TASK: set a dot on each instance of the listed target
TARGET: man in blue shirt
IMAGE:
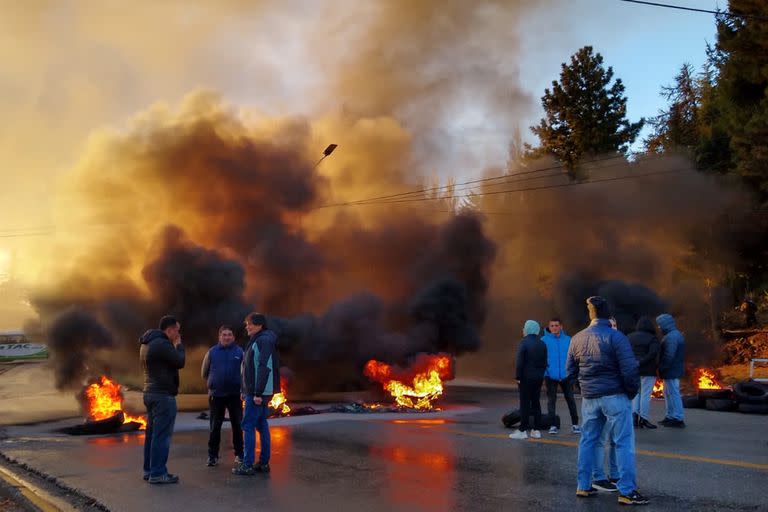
(221, 370)
(557, 343)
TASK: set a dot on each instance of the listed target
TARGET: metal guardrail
(752, 369)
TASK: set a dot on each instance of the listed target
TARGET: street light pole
(326, 153)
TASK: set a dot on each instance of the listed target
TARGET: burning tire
(750, 392)
(693, 402)
(100, 427)
(753, 408)
(716, 394)
(720, 404)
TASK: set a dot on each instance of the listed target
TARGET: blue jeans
(673, 400)
(613, 413)
(161, 416)
(255, 418)
(642, 403)
(613, 469)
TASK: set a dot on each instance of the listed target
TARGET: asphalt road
(457, 460)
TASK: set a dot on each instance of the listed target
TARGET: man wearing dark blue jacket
(221, 370)
(260, 381)
(557, 343)
(603, 361)
(162, 356)
(671, 368)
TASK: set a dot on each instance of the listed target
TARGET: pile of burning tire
(749, 397)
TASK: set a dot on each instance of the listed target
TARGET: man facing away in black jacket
(531, 365)
(162, 356)
(646, 347)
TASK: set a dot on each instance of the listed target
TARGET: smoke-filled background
(207, 202)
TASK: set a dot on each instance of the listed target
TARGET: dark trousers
(567, 387)
(219, 404)
(530, 393)
(161, 416)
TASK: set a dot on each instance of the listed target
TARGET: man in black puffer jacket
(162, 356)
(645, 346)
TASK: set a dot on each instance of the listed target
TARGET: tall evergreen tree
(741, 94)
(678, 126)
(585, 113)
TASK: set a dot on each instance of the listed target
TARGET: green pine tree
(585, 113)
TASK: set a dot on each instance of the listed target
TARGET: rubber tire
(693, 402)
(750, 392)
(720, 404)
(753, 408)
(716, 394)
(511, 419)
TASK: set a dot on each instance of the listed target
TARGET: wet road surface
(418, 462)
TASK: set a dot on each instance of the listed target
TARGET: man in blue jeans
(603, 361)
(260, 381)
(162, 356)
(671, 368)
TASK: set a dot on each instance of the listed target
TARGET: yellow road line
(39, 498)
(649, 453)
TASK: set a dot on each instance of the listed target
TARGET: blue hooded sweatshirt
(557, 354)
(671, 362)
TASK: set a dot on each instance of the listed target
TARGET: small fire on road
(104, 399)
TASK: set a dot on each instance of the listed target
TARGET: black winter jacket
(646, 347)
(531, 358)
(161, 362)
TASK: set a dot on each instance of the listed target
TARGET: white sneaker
(535, 434)
(518, 434)
(553, 430)
(575, 429)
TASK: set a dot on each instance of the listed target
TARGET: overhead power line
(421, 191)
(694, 9)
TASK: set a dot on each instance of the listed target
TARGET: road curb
(23, 478)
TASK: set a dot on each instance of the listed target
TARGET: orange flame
(279, 401)
(105, 399)
(706, 379)
(658, 389)
(426, 382)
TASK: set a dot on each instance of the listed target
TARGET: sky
(75, 68)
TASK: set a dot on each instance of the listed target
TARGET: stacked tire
(751, 397)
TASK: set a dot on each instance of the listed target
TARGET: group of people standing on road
(240, 382)
(616, 375)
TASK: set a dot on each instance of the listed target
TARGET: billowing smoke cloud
(655, 240)
(199, 214)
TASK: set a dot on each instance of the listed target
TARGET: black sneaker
(581, 493)
(633, 498)
(666, 421)
(243, 470)
(644, 423)
(261, 468)
(212, 461)
(146, 476)
(605, 486)
(675, 424)
(165, 479)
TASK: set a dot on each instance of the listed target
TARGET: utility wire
(469, 182)
(694, 9)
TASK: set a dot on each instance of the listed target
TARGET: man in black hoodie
(646, 347)
(162, 356)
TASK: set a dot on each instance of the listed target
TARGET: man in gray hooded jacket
(671, 368)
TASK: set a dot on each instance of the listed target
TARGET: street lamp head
(330, 149)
